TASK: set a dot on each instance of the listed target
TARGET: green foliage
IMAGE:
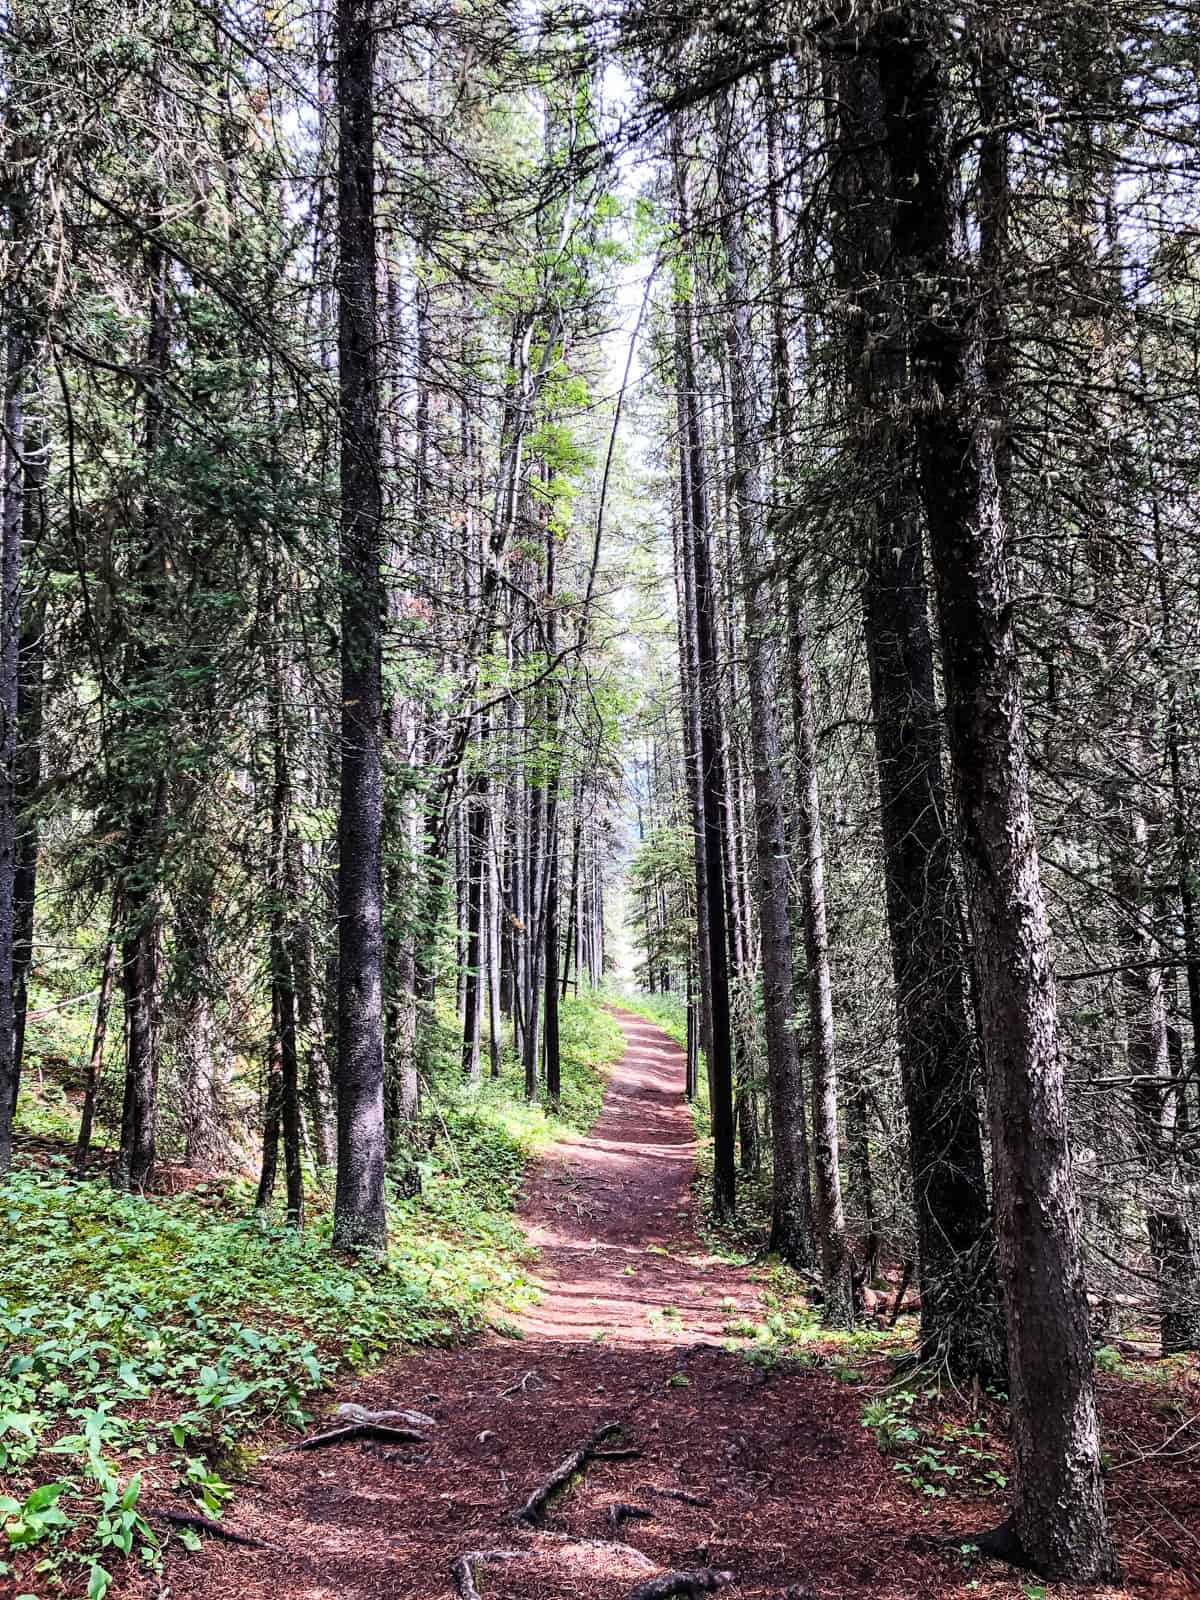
(158, 1334)
(933, 1456)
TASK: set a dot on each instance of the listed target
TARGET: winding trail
(631, 1328)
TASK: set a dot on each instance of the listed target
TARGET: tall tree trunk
(1059, 1523)
(961, 1322)
(148, 799)
(95, 1068)
(360, 1217)
(791, 1230)
(551, 1051)
(477, 819)
(711, 744)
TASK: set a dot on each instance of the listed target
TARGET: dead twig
(683, 1495)
(611, 1546)
(521, 1385)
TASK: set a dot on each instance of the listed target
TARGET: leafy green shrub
(152, 1335)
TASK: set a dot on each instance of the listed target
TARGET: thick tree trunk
(30, 700)
(1059, 1517)
(961, 1323)
(360, 1217)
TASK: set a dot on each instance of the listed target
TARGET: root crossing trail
(718, 1466)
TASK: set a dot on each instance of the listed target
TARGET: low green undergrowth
(936, 1454)
(145, 1342)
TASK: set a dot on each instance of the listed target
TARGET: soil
(797, 1502)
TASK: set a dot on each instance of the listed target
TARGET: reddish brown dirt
(800, 1502)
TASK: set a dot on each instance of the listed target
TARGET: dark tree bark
(1059, 1519)
(961, 1321)
(148, 794)
(477, 816)
(91, 1084)
(702, 625)
(551, 1052)
(791, 1229)
(360, 1217)
(30, 701)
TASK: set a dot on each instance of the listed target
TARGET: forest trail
(611, 1217)
(765, 1474)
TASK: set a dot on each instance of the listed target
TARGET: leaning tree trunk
(360, 1217)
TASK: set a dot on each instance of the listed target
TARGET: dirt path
(795, 1501)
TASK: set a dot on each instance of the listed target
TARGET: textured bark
(30, 698)
(108, 982)
(791, 1232)
(360, 1217)
(711, 763)
(961, 1323)
(11, 519)
(477, 814)
(1059, 1516)
(147, 800)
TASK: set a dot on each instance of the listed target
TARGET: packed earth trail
(763, 1478)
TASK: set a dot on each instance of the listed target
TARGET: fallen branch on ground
(351, 1412)
(629, 1454)
(463, 1568)
(688, 1584)
(535, 1508)
(357, 1430)
(621, 1511)
(199, 1524)
(683, 1495)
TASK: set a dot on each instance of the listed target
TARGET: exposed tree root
(689, 1584)
(535, 1508)
(357, 1430)
(631, 1453)
(621, 1511)
(684, 1496)
(199, 1524)
(1000, 1543)
(350, 1412)
(463, 1568)
(522, 1385)
(905, 1279)
(612, 1546)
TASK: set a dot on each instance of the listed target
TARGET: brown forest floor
(798, 1501)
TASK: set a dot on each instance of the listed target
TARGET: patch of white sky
(625, 365)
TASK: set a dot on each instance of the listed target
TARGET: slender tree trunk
(360, 1217)
(95, 1068)
(712, 785)
(477, 814)
(791, 1230)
